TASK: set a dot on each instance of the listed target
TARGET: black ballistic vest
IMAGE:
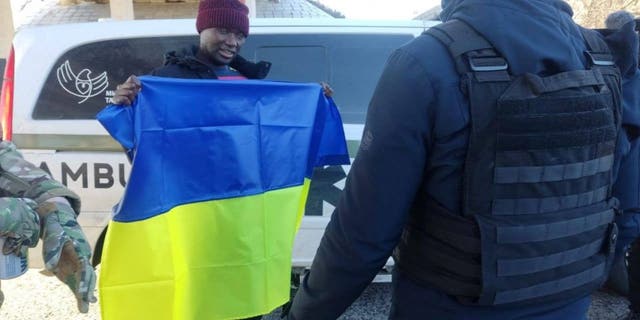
(537, 221)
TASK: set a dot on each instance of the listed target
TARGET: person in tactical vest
(629, 222)
(624, 277)
(488, 169)
(32, 206)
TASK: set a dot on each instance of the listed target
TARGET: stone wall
(592, 13)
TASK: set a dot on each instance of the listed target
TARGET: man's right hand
(127, 91)
(66, 251)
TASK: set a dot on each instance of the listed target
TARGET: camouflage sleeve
(22, 179)
(19, 224)
(66, 251)
(60, 225)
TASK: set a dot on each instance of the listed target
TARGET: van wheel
(97, 250)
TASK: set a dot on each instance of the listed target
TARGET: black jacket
(184, 64)
(414, 148)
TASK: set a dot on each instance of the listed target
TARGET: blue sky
(381, 9)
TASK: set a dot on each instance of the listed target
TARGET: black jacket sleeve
(379, 192)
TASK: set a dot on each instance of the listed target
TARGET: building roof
(288, 9)
(51, 12)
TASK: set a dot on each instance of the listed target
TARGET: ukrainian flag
(217, 190)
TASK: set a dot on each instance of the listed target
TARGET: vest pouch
(441, 249)
(544, 257)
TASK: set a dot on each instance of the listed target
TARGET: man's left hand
(326, 89)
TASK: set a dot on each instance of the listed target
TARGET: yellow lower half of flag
(219, 259)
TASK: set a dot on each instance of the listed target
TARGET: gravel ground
(35, 296)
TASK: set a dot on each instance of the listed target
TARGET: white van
(58, 77)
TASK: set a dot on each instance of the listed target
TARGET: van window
(302, 63)
(350, 63)
(83, 79)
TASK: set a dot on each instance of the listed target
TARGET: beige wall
(121, 9)
(6, 28)
(251, 4)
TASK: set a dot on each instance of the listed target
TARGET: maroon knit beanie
(230, 14)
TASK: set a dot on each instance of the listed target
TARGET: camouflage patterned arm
(19, 224)
(22, 179)
(66, 251)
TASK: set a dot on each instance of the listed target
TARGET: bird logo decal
(81, 85)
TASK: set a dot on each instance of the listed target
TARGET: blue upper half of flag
(198, 140)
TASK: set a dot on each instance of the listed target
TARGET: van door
(351, 63)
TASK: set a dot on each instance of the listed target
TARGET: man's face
(220, 45)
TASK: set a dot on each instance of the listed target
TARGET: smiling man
(223, 26)
(223, 31)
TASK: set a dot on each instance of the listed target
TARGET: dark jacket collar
(186, 58)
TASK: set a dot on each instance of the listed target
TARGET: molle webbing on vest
(558, 172)
(553, 230)
(537, 217)
(420, 253)
(559, 180)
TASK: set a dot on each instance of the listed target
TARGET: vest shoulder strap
(598, 53)
(471, 51)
